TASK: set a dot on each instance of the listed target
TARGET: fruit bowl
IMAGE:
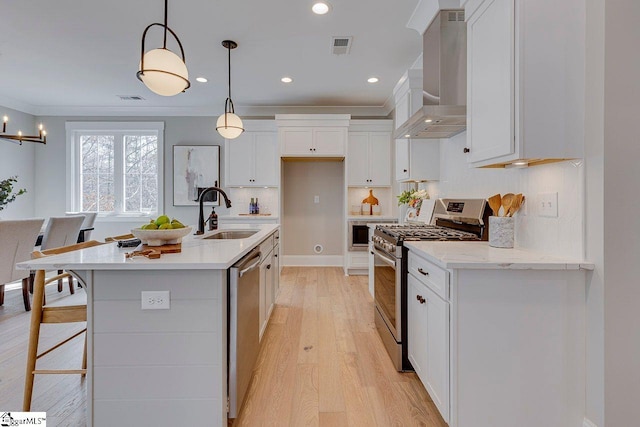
(161, 237)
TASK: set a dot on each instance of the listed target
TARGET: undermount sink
(232, 234)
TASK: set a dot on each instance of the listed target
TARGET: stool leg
(60, 282)
(71, 289)
(84, 354)
(25, 294)
(34, 335)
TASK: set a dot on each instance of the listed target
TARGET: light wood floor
(321, 362)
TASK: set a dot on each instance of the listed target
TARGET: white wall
(621, 265)
(561, 236)
(18, 160)
(305, 223)
(594, 210)
(51, 160)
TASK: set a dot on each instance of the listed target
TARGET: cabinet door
(241, 159)
(276, 272)
(380, 158)
(296, 141)
(269, 295)
(329, 141)
(263, 295)
(428, 341)
(402, 159)
(417, 315)
(266, 159)
(490, 81)
(358, 159)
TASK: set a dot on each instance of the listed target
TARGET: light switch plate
(548, 205)
(156, 300)
(316, 199)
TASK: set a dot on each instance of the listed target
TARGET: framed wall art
(195, 167)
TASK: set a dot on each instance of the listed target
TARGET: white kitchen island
(497, 336)
(157, 367)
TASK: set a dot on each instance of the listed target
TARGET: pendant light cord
(166, 2)
(229, 63)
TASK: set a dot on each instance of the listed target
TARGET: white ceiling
(64, 56)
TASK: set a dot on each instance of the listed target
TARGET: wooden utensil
(506, 202)
(154, 252)
(371, 200)
(494, 203)
(516, 203)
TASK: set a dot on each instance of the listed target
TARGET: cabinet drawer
(430, 274)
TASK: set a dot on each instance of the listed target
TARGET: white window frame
(73, 129)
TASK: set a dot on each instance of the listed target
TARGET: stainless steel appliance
(444, 83)
(452, 219)
(358, 239)
(244, 326)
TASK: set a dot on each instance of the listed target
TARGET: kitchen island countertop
(197, 253)
(479, 255)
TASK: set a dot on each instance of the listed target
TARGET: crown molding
(426, 10)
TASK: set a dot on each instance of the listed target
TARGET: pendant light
(229, 125)
(161, 70)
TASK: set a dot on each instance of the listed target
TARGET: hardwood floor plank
(330, 384)
(304, 409)
(333, 419)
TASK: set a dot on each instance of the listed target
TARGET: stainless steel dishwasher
(244, 326)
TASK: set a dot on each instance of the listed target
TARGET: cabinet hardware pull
(421, 271)
(421, 299)
(404, 170)
(268, 266)
(466, 150)
(371, 252)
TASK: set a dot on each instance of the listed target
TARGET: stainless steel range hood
(444, 111)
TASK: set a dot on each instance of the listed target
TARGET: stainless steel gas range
(452, 219)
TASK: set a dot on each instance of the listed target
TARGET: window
(116, 167)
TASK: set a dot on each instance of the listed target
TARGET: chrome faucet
(206, 191)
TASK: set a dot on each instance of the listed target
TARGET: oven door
(387, 290)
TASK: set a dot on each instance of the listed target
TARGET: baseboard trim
(313, 260)
(588, 423)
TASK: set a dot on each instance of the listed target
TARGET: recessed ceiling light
(407, 136)
(372, 80)
(428, 121)
(201, 79)
(320, 8)
(286, 80)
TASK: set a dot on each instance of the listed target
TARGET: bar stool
(69, 309)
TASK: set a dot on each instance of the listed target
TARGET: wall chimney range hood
(444, 110)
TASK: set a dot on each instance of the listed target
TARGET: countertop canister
(501, 231)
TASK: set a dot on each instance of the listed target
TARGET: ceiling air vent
(341, 45)
(130, 98)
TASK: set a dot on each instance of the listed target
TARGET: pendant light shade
(165, 73)
(161, 70)
(229, 125)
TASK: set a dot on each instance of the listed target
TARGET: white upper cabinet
(417, 160)
(305, 135)
(252, 159)
(369, 154)
(525, 94)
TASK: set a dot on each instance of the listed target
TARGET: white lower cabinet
(428, 341)
(267, 285)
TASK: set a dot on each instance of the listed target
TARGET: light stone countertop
(197, 254)
(479, 255)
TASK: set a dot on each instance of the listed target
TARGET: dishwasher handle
(250, 262)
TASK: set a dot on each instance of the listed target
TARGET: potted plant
(6, 191)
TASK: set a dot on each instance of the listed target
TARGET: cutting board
(155, 252)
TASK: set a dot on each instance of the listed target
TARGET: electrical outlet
(316, 199)
(156, 300)
(548, 204)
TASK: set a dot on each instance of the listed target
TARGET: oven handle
(387, 260)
